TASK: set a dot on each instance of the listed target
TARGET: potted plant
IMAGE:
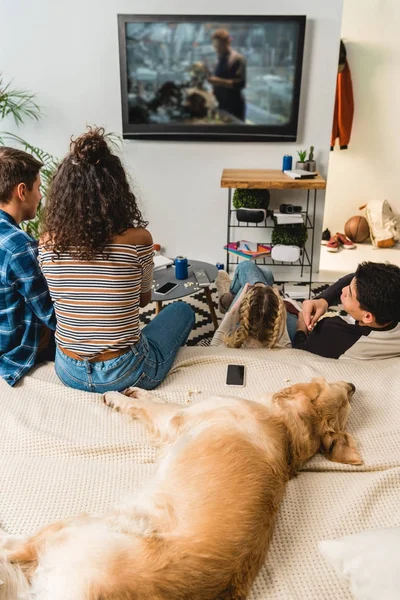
(301, 164)
(290, 235)
(311, 165)
(251, 205)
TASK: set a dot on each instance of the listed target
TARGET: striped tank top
(97, 302)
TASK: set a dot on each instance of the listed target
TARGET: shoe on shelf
(333, 244)
(223, 285)
(345, 242)
(326, 236)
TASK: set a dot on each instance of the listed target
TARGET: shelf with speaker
(285, 221)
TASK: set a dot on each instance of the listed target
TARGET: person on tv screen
(229, 76)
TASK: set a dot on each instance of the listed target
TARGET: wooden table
(273, 179)
(268, 179)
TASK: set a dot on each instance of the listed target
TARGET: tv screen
(211, 77)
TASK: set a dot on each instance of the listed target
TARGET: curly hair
(89, 200)
(261, 318)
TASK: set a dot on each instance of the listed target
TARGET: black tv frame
(214, 133)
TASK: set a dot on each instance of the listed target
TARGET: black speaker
(251, 215)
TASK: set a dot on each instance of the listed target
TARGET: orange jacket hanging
(344, 108)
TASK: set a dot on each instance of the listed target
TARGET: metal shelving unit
(268, 179)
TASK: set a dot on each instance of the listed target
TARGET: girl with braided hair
(257, 315)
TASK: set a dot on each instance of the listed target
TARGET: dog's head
(326, 407)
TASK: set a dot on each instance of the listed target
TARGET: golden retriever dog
(200, 529)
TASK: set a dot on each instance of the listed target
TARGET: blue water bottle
(287, 163)
(181, 267)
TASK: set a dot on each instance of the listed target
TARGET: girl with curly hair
(97, 257)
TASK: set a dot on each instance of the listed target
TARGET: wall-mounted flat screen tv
(217, 78)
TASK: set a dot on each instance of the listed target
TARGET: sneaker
(223, 285)
(333, 244)
(345, 242)
(326, 236)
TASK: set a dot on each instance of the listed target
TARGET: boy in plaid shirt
(26, 309)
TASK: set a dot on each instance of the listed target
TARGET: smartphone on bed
(235, 375)
(166, 288)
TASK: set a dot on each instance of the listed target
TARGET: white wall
(68, 53)
(368, 170)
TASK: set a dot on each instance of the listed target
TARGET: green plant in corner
(20, 105)
(302, 155)
(311, 153)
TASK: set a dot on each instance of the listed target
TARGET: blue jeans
(248, 272)
(145, 364)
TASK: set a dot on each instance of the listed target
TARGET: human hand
(213, 80)
(312, 310)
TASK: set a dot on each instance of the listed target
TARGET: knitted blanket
(63, 452)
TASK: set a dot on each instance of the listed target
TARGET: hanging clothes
(344, 103)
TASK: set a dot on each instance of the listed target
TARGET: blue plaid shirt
(25, 302)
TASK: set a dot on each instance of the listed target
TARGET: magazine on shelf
(288, 218)
(243, 249)
(301, 174)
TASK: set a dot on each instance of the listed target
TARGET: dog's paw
(144, 395)
(117, 401)
(134, 392)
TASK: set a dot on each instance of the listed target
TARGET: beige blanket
(63, 452)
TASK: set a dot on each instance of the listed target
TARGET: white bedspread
(63, 452)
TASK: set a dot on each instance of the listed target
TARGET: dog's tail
(13, 583)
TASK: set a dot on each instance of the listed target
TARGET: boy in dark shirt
(371, 296)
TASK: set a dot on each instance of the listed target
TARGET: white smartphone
(235, 375)
(166, 288)
(201, 277)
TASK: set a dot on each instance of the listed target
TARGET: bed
(63, 452)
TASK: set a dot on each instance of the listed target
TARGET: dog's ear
(340, 447)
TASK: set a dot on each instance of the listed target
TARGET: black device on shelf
(251, 215)
(289, 209)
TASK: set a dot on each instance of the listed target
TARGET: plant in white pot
(301, 164)
(311, 165)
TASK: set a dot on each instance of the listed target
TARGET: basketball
(357, 229)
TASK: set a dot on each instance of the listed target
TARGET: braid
(279, 323)
(238, 337)
(261, 317)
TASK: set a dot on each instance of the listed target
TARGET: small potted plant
(301, 163)
(290, 235)
(251, 205)
(311, 165)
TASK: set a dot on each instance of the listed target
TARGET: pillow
(370, 560)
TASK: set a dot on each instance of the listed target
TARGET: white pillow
(370, 560)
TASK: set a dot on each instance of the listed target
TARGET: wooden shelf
(272, 179)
